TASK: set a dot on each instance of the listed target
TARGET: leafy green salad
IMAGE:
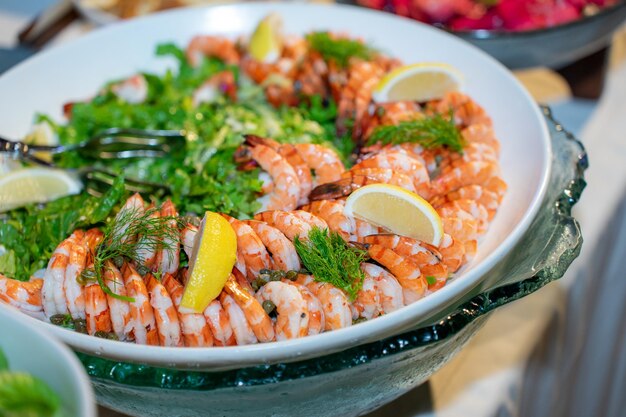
(203, 176)
(24, 395)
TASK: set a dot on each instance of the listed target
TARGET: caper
(304, 272)
(58, 319)
(118, 261)
(143, 270)
(268, 306)
(80, 325)
(264, 271)
(106, 335)
(359, 320)
(292, 275)
(255, 285)
(88, 275)
(264, 277)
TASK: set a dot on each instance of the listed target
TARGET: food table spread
(491, 339)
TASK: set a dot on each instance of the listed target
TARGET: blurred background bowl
(552, 47)
(32, 350)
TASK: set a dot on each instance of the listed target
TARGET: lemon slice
(35, 185)
(213, 257)
(418, 82)
(397, 210)
(266, 41)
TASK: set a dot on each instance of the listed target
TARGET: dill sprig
(131, 231)
(429, 131)
(329, 259)
(339, 50)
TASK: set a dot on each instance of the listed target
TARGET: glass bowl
(553, 47)
(363, 378)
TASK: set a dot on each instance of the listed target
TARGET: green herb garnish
(22, 394)
(155, 233)
(431, 280)
(329, 258)
(339, 50)
(430, 132)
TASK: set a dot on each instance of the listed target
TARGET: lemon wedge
(35, 185)
(397, 210)
(418, 82)
(213, 257)
(266, 41)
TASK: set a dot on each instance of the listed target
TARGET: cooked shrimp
(364, 229)
(383, 175)
(482, 134)
(287, 222)
(75, 266)
(356, 96)
(284, 255)
(168, 324)
(406, 271)
(286, 186)
(389, 290)
(323, 161)
(474, 172)
(426, 256)
(289, 152)
(202, 46)
(476, 210)
(142, 321)
(119, 310)
(258, 319)
(188, 238)
(472, 152)
(194, 327)
(292, 313)
(93, 237)
(97, 314)
(311, 219)
(475, 192)
(220, 84)
(147, 251)
(25, 296)
(367, 303)
(452, 252)
(340, 188)
(335, 304)
(401, 162)
(312, 75)
(134, 207)
(218, 321)
(251, 247)
(317, 321)
(133, 90)
(466, 111)
(169, 257)
(332, 213)
(241, 328)
(54, 298)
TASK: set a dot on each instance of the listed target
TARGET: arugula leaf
(24, 395)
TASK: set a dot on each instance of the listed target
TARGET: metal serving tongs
(114, 143)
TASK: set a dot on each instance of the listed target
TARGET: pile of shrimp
(304, 187)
